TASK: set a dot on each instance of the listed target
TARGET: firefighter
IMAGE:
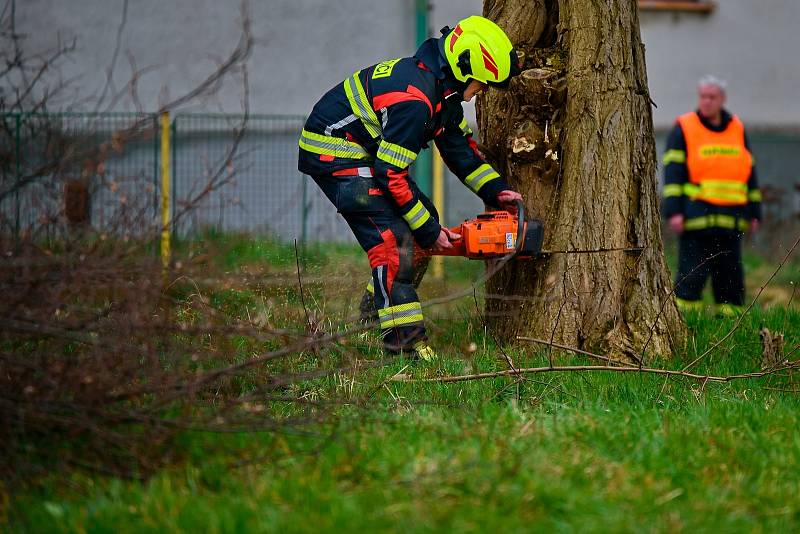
(363, 134)
(711, 198)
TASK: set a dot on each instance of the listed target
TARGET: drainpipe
(422, 167)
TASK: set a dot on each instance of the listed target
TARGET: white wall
(753, 44)
(306, 46)
(448, 13)
(303, 47)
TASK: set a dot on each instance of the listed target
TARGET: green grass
(230, 251)
(593, 452)
(599, 466)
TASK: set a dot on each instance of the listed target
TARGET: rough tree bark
(574, 134)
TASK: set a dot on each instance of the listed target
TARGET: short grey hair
(710, 79)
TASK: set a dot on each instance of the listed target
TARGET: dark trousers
(716, 253)
(387, 239)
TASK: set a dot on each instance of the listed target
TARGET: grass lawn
(589, 451)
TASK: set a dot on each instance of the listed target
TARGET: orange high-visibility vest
(719, 163)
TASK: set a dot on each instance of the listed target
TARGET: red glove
(506, 199)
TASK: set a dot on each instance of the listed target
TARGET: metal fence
(266, 194)
(263, 192)
(110, 157)
(227, 174)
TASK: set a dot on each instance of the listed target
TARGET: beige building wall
(303, 47)
(753, 44)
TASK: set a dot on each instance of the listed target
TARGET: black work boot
(367, 313)
(420, 350)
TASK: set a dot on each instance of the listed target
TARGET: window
(696, 6)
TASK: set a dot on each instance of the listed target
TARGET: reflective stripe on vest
(673, 190)
(730, 310)
(465, 129)
(674, 156)
(360, 105)
(689, 305)
(719, 158)
(716, 191)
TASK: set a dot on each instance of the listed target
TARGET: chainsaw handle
(520, 225)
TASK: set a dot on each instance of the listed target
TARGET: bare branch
(603, 368)
(564, 347)
(115, 54)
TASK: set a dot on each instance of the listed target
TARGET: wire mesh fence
(229, 173)
(263, 191)
(64, 171)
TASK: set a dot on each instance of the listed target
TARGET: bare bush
(104, 356)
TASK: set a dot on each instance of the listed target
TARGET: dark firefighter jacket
(377, 121)
(681, 191)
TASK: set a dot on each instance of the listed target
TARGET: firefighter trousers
(716, 253)
(387, 239)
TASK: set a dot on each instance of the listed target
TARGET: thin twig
(115, 54)
(667, 299)
(594, 368)
(507, 358)
(782, 390)
(564, 347)
(794, 349)
(558, 318)
(300, 283)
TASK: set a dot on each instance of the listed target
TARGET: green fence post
(156, 173)
(422, 167)
(18, 176)
(174, 177)
(304, 228)
(156, 159)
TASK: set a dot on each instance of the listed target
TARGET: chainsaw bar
(630, 250)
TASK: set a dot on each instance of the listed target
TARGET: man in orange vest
(711, 198)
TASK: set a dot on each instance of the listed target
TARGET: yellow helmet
(479, 49)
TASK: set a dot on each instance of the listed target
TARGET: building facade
(303, 47)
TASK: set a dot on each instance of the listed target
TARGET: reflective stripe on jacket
(381, 117)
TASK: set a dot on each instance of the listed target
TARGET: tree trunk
(574, 135)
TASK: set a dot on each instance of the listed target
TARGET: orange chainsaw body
(492, 235)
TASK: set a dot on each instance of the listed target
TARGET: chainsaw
(498, 234)
(495, 234)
